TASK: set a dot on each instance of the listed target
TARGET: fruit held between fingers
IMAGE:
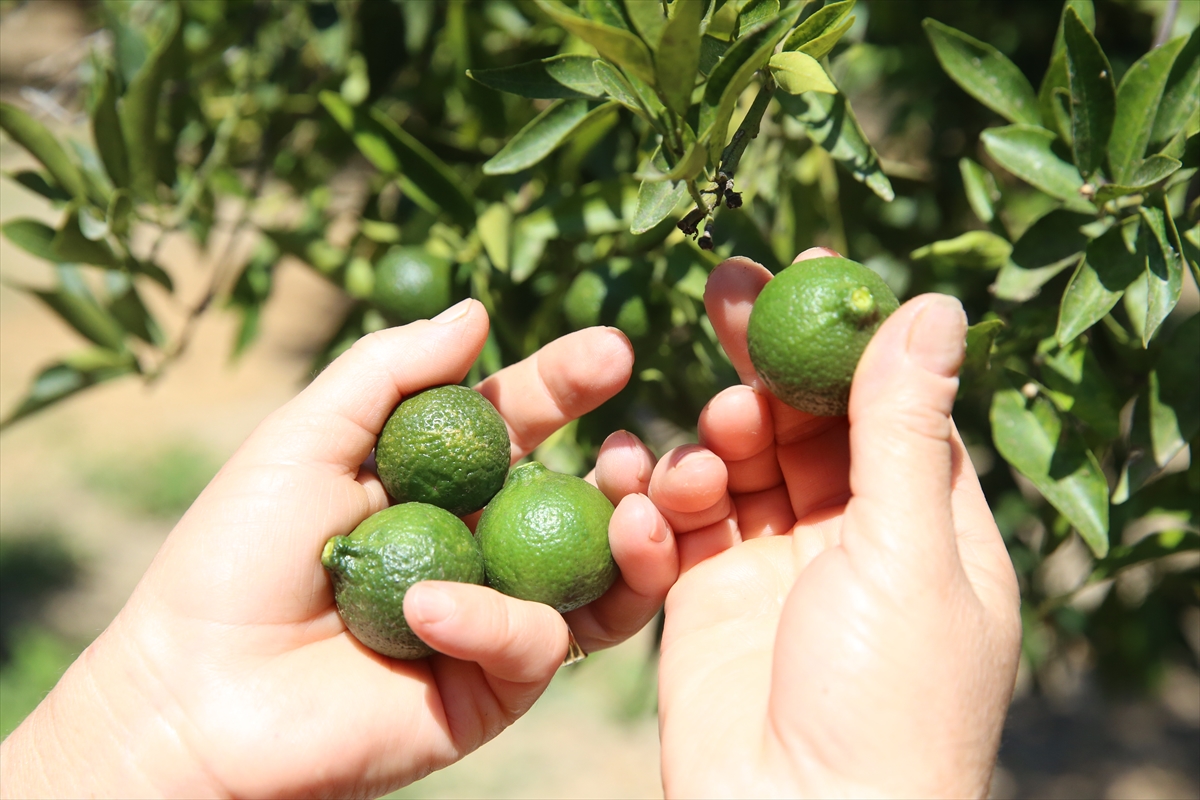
(545, 538)
(447, 446)
(373, 567)
(809, 326)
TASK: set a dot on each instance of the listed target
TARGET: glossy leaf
(543, 135)
(1080, 386)
(1138, 97)
(1051, 244)
(65, 378)
(1037, 442)
(649, 20)
(1024, 150)
(678, 57)
(618, 87)
(613, 43)
(140, 109)
(830, 122)
(1174, 403)
(755, 12)
(106, 130)
(972, 250)
(981, 338)
(980, 186)
(563, 77)
(70, 244)
(655, 202)
(1093, 94)
(1056, 75)
(824, 23)
(984, 73)
(733, 74)
(392, 149)
(1098, 283)
(32, 236)
(1164, 273)
(1181, 96)
(1141, 176)
(797, 73)
(41, 144)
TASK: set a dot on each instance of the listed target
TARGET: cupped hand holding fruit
(230, 672)
(846, 615)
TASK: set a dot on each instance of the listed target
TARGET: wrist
(98, 733)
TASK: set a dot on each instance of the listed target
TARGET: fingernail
(431, 605)
(456, 311)
(658, 525)
(938, 337)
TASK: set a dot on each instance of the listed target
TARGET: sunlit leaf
(980, 186)
(797, 72)
(827, 22)
(830, 122)
(1024, 150)
(141, 105)
(1164, 273)
(973, 250)
(984, 73)
(1098, 283)
(558, 77)
(678, 56)
(63, 379)
(655, 202)
(1181, 95)
(32, 236)
(1033, 438)
(1051, 244)
(543, 135)
(41, 144)
(1138, 97)
(981, 337)
(1140, 176)
(649, 20)
(1093, 94)
(495, 231)
(106, 130)
(1174, 401)
(613, 43)
(70, 244)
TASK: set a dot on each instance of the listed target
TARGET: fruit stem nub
(862, 305)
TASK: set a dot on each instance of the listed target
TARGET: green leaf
(1190, 242)
(41, 144)
(126, 306)
(972, 250)
(711, 50)
(1138, 98)
(63, 379)
(567, 77)
(1085, 10)
(495, 232)
(76, 305)
(39, 183)
(755, 12)
(980, 186)
(678, 56)
(70, 244)
(106, 130)
(1163, 272)
(542, 135)
(831, 123)
(733, 74)
(1049, 246)
(141, 105)
(981, 337)
(1174, 402)
(655, 202)
(649, 21)
(393, 150)
(1080, 386)
(1056, 76)
(1181, 95)
(32, 236)
(1024, 150)
(613, 43)
(1151, 548)
(597, 208)
(1053, 456)
(618, 87)
(815, 33)
(797, 73)
(984, 73)
(1141, 176)
(1093, 94)
(1107, 268)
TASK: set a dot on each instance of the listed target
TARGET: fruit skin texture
(809, 326)
(545, 538)
(373, 567)
(411, 284)
(447, 446)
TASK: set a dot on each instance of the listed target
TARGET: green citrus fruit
(545, 538)
(411, 284)
(447, 446)
(810, 325)
(373, 567)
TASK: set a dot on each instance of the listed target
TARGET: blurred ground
(89, 489)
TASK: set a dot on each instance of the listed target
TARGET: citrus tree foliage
(589, 162)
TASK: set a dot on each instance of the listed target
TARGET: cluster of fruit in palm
(442, 454)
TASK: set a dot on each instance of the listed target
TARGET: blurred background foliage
(538, 156)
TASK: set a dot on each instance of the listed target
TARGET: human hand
(846, 621)
(229, 671)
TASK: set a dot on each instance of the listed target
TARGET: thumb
(900, 430)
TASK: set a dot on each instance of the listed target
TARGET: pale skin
(842, 618)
